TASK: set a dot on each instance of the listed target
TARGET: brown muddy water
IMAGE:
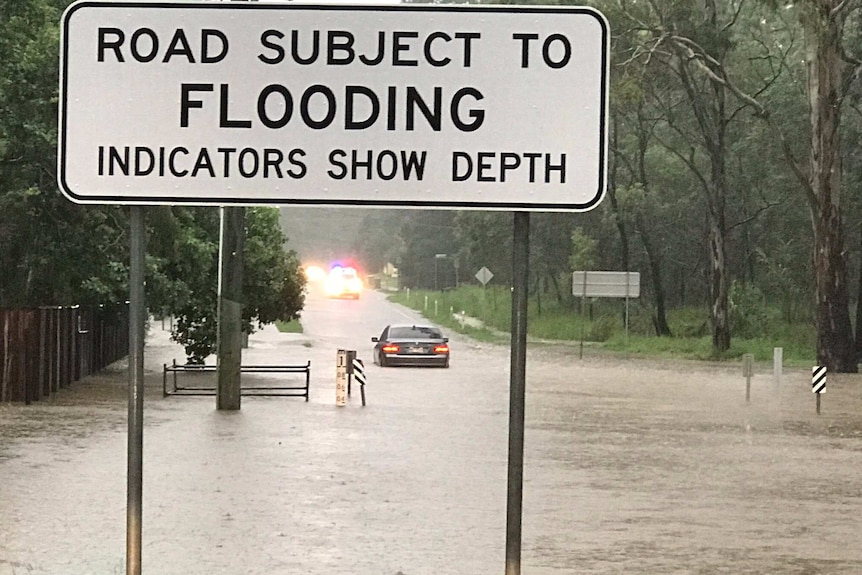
(631, 467)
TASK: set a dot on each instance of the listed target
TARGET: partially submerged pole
(517, 391)
(135, 457)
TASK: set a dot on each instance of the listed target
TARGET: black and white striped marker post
(359, 375)
(818, 383)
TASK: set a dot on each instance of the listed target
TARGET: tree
(426, 233)
(705, 55)
(678, 27)
(53, 251)
(378, 242)
(485, 240)
(829, 78)
(184, 274)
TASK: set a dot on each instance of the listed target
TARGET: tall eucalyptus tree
(830, 72)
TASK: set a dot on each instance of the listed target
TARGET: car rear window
(418, 332)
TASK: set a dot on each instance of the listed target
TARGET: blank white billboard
(606, 284)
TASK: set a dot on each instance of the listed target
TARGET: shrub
(749, 314)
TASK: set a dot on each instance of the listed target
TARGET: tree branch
(699, 57)
(841, 5)
(736, 13)
(765, 206)
(797, 170)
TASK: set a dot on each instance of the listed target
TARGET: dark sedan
(411, 344)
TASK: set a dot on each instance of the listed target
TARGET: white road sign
(606, 284)
(484, 275)
(285, 103)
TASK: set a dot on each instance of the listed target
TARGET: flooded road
(631, 467)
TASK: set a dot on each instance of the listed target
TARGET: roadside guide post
(777, 361)
(748, 372)
(359, 375)
(341, 378)
(818, 383)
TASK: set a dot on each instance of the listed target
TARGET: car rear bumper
(344, 295)
(417, 360)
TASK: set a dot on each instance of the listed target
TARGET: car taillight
(391, 348)
(442, 348)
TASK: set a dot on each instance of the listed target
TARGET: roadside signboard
(467, 107)
(484, 275)
(606, 284)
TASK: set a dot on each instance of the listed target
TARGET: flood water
(631, 467)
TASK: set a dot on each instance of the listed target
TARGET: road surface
(631, 467)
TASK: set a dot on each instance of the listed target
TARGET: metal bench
(294, 389)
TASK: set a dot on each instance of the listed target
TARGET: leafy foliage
(184, 272)
(583, 255)
(53, 252)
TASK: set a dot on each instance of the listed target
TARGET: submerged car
(411, 344)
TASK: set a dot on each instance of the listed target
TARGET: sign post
(484, 275)
(135, 439)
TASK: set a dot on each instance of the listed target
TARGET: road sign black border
(176, 200)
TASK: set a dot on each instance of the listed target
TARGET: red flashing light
(391, 348)
(442, 348)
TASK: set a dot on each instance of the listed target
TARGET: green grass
(602, 325)
(289, 326)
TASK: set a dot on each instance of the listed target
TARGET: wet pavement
(631, 466)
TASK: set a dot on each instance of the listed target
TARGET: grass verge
(602, 324)
(289, 326)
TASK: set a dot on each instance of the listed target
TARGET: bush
(749, 314)
(602, 328)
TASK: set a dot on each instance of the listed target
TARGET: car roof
(412, 325)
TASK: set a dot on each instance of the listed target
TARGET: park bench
(293, 388)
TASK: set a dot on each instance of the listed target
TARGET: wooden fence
(45, 349)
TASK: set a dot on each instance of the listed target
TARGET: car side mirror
(375, 339)
(445, 340)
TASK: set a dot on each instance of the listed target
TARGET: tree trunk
(612, 197)
(659, 320)
(859, 312)
(564, 299)
(719, 284)
(835, 345)
(662, 328)
(709, 110)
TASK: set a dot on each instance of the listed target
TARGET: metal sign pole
(628, 283)
(583, 317)
(517, 390)
(137, 306)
